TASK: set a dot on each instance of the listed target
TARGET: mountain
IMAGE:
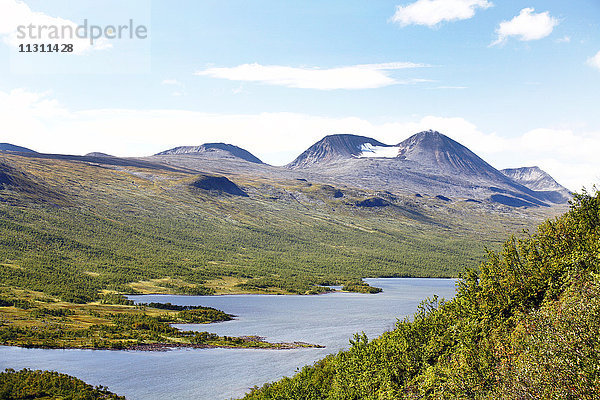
(12, 147)
(214, 150)
(439, 153)
(339, 147)
(425, 163)
(539, 180)
(97, 154)
(534, 178)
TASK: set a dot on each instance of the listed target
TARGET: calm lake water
(329, 320)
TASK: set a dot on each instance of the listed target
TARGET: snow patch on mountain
(370, 151)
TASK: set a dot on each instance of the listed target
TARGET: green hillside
(522, 326)
(76, 233)
(131, 229)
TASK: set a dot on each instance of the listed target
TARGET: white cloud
(594, 61)
(37, 121)
(564, 39)
(15, 13)
(526, 26)
(433, 12)
(363, 76)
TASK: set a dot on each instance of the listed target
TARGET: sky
(517, 82)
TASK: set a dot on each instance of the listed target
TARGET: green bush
(522, 326)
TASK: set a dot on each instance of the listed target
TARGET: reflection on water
(328, 320)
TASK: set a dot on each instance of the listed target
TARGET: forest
(523, 325)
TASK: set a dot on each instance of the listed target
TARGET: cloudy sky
(518, 82)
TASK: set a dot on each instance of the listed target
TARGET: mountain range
(214, 150)
(199, 219)
(427, 164)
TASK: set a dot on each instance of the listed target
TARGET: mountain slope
(12, 147)
(333, 148)
(439, 153)
(213, 150)
(537, 179)
(97, 154)
(533, 177)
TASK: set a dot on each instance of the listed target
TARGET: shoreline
(257, 293)
(175, 346)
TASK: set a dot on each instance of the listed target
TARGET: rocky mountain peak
(534, 178)
(439, 153)
(334, 148)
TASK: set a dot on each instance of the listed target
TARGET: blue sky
(516, 81)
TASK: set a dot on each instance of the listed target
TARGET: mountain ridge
(213, 149)
(427, 161)
(333, 148)
(15, 148)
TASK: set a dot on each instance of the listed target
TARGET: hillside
(14, 148)
(523, 325)
(28, 384)
(132, 225)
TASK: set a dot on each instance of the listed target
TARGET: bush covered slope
(27, 384)
(522, 326)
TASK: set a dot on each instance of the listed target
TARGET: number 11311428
(46, 48)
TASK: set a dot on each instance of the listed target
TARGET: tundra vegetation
(522, 325)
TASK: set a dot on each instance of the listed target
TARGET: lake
(328, 320)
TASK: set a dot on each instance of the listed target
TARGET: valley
(78, 233)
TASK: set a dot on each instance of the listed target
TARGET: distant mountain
(97, 154)
(537, 179)
(445, 156)
(426, 163)
(534, 178)
(339, 147)
(12, 147)
(214, 150)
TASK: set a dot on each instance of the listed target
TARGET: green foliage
(115, 298)
(18, 303)
(118, 228)
(54, 312)
(360, 287)
(524, 325)
(28, 385)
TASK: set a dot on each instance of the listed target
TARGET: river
(328, 320)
